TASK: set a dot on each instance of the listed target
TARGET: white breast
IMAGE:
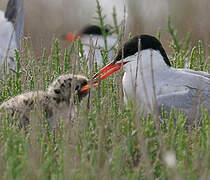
(149, 82)
(7, 36)
(98, 42)
(151, 78)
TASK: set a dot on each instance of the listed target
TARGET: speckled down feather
(54, 102)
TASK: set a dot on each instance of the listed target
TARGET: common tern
(149, 78)
(11, 30)
(92, 35)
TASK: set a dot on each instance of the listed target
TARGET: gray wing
(201, 73)
(189, 101)
(15, 14)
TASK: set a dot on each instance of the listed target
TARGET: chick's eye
(57, 91)
(62, 85)
(83, 83)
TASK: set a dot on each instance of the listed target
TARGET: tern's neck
(152, 60)
(98, 41)
(151, 68)
(146, 62)
(92, 45)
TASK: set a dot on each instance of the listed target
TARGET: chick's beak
(103, 74)
(87, 87)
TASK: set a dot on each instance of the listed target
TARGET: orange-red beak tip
(108, 70)
(87, 87)
(103, 74)
(71, 37)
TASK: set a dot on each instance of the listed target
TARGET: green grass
(108, 140)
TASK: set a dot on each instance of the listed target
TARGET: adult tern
(149, 78)
(11, 29)
(92, 35)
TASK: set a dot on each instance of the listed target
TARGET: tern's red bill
(103, 74)
(108, 70)
(71, 37)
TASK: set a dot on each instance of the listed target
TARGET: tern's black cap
(146, 42)
(94, 30)
(11, 11)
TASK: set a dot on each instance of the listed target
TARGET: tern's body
(93, 43)
(7, 46)
(150, 80)
(174, 88)
(97, 42)
(11, 28)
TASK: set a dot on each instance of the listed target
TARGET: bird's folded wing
(201, 73)
(185, 100)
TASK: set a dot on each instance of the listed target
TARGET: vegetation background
(45, 19)
(108, 140)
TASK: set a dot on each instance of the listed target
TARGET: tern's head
(93, 30)
(139, 48)
(94, 33)
(87, 32)
(139, 44)
(93, 40)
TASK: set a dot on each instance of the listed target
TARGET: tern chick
(55, 102)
